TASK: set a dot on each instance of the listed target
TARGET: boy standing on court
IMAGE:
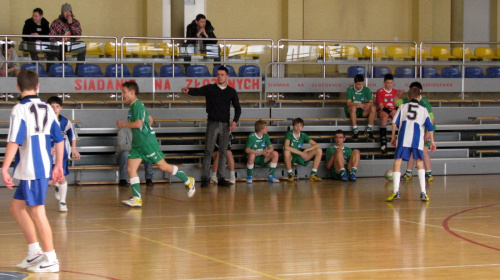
(144, 145)
(260, 151)
(33, 125)
(411, 120)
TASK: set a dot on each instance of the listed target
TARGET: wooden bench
(483, 118)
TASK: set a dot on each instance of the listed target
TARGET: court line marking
(195, 254)
(452, 232)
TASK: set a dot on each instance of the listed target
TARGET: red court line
(447, 228)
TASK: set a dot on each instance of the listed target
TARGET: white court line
(456, 230)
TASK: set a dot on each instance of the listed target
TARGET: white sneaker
(232, 181)
(45, 266)
(57, 193)
(133, 202)
(272, 179)
(63, 207)
(190, 187)
(214, 180)
(31, 260)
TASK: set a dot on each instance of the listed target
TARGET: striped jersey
(69, 135)
(412, 119)
(33, 125)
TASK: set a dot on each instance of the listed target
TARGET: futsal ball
(388, 174)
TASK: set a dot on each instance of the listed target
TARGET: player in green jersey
(293, 153)
(144, 145)
(260, 151)
(341, 160)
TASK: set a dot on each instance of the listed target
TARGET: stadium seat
(474, 72)
(230, 69)
(430, 72)
(451, 72)
(111, 70)
(109, 49)
(94, 48)
(249, 71)
(141, 49)
(460, 53)
(485, 53)
(56, 70)
(493, 72)
(441, 52)
(396, 52)
(32, 66)
(350, 52)
(377, 52)
(404, 72)
(166, 71)
(144, 71)
(165, 49)
(89, 70)
(355, 70)
(381, 71)
(412, 53)
(198, 71)
(254, 51)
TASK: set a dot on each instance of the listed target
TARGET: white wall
(477, 20)
(190, 12)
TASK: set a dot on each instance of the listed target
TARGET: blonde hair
(260, 125)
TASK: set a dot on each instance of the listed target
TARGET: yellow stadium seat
(396, 52)
(411, 52)
(254, 51)
(459, 53)
(498, 51)
(141, 49)
(224, 50)
(94, 49)
(440, 52)
(485, 53)
(166, 49)
(350, 52)
(377, 52)
(109, 49)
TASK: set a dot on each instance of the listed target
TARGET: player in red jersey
(386, 107)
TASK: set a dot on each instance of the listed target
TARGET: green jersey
(345, 150)
(144, 135)
(296, 143)
(363, 96)
(256, 143)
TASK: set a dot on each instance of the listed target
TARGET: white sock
(51, 256)
(314, 170)
(232, 174)
(396, 178)
(273, 164)
(289, 171)
(421, 179)
(213, 174)
(249, 166)
(175, 170)
(63, 190)
(34, 248)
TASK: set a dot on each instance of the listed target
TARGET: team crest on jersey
(385, 100)
(263, 144)
(362, 98)
(299, 145)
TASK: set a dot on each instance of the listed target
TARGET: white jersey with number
(33, 124)
(412, 119)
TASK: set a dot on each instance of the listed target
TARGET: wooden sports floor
(301, 230)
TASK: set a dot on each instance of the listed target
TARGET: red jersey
(388, 99)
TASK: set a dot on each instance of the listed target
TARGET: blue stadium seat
(144, 71)
(404, 72)
(493, 72)
(89, 70)
(198, 71)
(430, 72)
(111, 70)
(381, 71)
(56, 70)
(230, 69)
(474, 72)
(451, 72)
(249, 71)
(32, 66)
(166, 71)
(355, 70)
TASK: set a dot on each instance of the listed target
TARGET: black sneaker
(123, 183)
(355, 135)
(221, 182)
(205, 183)
(370, 136)
(149, 183)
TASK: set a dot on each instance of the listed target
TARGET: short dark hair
(414, 93)
(55, 99)
(359, 78)
(416, 85)
(260, 125)
(27, 80)
(132, 85)
(200, 16)
(38, 10)
(340, 131)
(223, 68)
(388, 77)
(298, 121)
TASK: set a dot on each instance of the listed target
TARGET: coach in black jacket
(200, 28)
(36, 25)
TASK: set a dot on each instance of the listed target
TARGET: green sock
(369, 128)
(290, 173)
(342, 171)
(271, 171)
(428, 173)
(181, 175)
(250, 172)
(354, 170)
(313, 173)
(136, 190)
(409, 171)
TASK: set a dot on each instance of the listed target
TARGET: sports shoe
(352, 177)
(232, 181)
(190, 187)
(369, 135)
(290, 178)
(149, 183)
(424, 197)
(393, 196)
(45, 266)
(355, 135)
(406, 177)
(222, 183)
(383, 149)
(123, 183)
(31, 260)
(249, 179)
(344, 177)
(429, 178)
(63, 207)
(133, 202)
(315, 178)
(57, 193)
(272, 179)
(213, 180)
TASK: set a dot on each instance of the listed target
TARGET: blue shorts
(32, 191)
(65, 167)
(405, 153)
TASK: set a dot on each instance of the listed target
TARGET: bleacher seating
(404, 72)
(440, 52)
(381, 71)
(474, 72)
(249, 71)
(56, 70)
(355, 70)
(230, 69)
(166, 71)
(413, 53)
(111, 70)
(94, 48)
(493, 72)
(144, 71)
(198, 71)
(377, 52)
(33, 66)
(110, 48)
(396, 52)
(348, 51)
(485, 53)
(90, 70)
(451, 72)
(430, 72)
(165, 49)
(460, 53)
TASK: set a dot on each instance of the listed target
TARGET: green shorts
(151, 153)
(299, 160)
(259, 161)
(359, 112)
(335, 174)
